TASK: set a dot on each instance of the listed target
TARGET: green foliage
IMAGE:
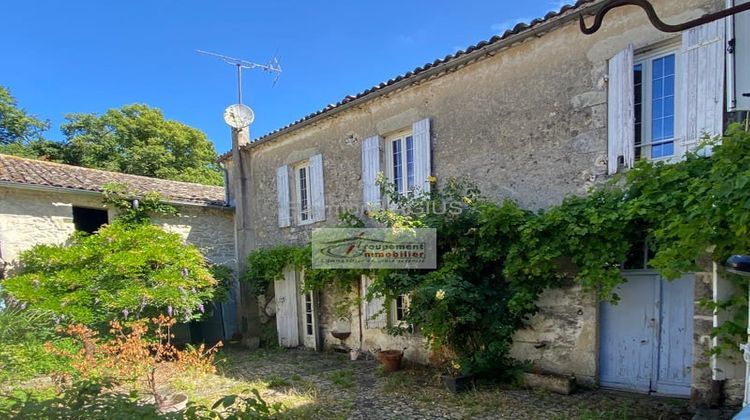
(137, 139)
(122, 198)
(17, 127)
(31, 358)
(122, 270)
(18, 324)
(129, 269)
(267, 264)
(23, 349)
(101, 400)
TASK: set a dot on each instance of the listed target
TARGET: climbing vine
(494, 258)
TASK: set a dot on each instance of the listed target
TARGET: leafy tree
(129, 269)
(137, 139)
(16, 125)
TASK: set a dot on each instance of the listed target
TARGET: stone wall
(31, 217)
(528, 123)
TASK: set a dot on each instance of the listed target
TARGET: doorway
(646, 340)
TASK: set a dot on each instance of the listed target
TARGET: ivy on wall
(494, 258)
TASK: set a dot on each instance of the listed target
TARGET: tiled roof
(39, 173)
(515, 32)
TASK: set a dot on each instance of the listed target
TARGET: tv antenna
(273, 67)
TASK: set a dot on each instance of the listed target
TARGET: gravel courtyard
(329, 386)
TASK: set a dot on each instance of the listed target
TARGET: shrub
(23, 334)
(123, 270)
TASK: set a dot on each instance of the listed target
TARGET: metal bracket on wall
(654, 18)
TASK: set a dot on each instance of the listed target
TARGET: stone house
(44, 203)
(534, 115)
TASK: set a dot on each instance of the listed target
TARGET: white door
(646, 340)
(286, 308)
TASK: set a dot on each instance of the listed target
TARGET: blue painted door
(646, 339)
(629, 335)
(676, 337)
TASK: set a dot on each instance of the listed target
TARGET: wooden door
(646, 340)
(676, 337)
(629, 335)
(286, 308)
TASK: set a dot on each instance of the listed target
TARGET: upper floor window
(406, 160)
(400, 161)
(300, 192)
(663, 101)
(302, 173)
(655, 112)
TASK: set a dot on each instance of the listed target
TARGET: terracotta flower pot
(390, 359)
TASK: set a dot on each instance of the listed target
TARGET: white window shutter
(703, 54)
(422, 154)
(282, 194)
(621, 110)
(370, 170)
(373, 310)
(317, 190)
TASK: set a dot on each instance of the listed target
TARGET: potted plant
(455, 380)
(390, 359)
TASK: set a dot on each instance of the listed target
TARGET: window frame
(402, 137)
(645, 58)
(308, 321)
(303, 216)
(397, 321)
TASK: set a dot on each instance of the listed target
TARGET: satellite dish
(239, 116)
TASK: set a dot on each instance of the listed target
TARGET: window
(89, 220)
(400, 161)
(655, 80)
(309, 326)
(640, 253)
(402, 304)
(304, 214)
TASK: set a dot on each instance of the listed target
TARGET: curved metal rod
(654, 18)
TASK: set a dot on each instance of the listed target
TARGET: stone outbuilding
(536, 114)
(44, 203)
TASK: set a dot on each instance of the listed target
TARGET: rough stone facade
(528, 123)
(31, 217)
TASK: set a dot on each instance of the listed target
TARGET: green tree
(129, 269)
(16, 125)
(137, 139)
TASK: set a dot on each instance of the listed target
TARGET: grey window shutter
(621, 110)
(282, 194)
(373, 310)
(422, 154)
(317, 188)
(370, 170)
(703, 54)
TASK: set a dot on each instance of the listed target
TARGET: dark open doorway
(89, 220)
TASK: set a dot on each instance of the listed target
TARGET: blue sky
(88, 56)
